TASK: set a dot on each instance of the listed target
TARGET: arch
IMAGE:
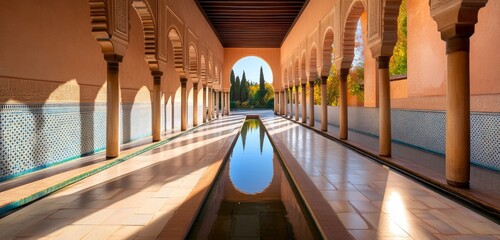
(296, 77)
(303, 73)
(390, 26)
(148, 26)
(285, 80)
(210, 74)
(203, 69)
(193, 63)
(351, 22)
(327, 52)
(313, 63)
(176, 41)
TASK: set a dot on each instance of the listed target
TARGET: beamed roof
(252, 23)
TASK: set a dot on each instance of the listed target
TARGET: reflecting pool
(252, 197)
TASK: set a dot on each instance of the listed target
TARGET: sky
(251, 66)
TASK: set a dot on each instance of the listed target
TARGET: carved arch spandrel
(382, 26)
(313, 63)
(178, 50)
(303, 64)
(327, 51)
(109, 22)
(203, 69)
(150, 33)
(193, 63)
(349, 33)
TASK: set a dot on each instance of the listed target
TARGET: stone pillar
(304, 103)
(324, 108)
(458, 112)
(217, 96)
(456, 20)
(284, 106)
(343, 121)
(296, 103)
(184, 110)
(311, 103)
(210, 105)
(156, 111)
(228, 103)
(384, 106)
(113, 108)
(204, 110)
(195, 104)
(290, 100)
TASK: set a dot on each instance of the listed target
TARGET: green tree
(398, 62)
(262, 88)
(232, 79)
(237, 89)
(244, 88)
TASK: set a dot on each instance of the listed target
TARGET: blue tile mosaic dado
(34, 136)
(427, 130)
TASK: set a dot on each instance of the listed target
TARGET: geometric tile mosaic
(34, 136)
(427, 130)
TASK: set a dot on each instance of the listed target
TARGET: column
(284, 102)
(311, 103)
(228, 103)
(113, 109)
(217, 96)
(195, 104)
(183, 104)
(343, 121)
(296, 103)
(204, 110)
(304, 103)
(458, 112)
(156, 111)
(324, 108)
(290, 100)
(210, 105)
(384, 106)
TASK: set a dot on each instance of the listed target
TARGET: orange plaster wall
(47, 46)
(370, 66)
(485, 52)
(426, 52)
(270, 55)
(53, 57)
(399, 89)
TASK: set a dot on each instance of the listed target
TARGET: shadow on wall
(55, 110)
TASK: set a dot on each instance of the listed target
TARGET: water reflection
(251, 163)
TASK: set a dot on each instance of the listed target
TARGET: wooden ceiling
(252, 23)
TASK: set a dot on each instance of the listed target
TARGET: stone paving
(372, 201)
(138, 198)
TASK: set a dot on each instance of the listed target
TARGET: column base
(458, 184)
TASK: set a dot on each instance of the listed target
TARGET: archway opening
(251, 84)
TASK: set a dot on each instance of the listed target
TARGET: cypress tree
(237, 89)
(231, 89)
(262, 87)
(244, 88)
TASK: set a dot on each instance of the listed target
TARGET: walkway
(371, 200)
(484, 191)
(132, 200)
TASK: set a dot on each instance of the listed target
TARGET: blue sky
(251, 66)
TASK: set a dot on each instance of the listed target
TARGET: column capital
(183, 82)
(343, 73)
(383, 62)
(113, 58)
(323, 79)
(456, 18)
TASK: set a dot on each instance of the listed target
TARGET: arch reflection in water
(251, 164)
(252, 196)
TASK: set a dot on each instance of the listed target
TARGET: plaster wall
(427, 56)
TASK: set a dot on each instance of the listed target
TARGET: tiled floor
(371, 200)
(132, 200)
(137, 198)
